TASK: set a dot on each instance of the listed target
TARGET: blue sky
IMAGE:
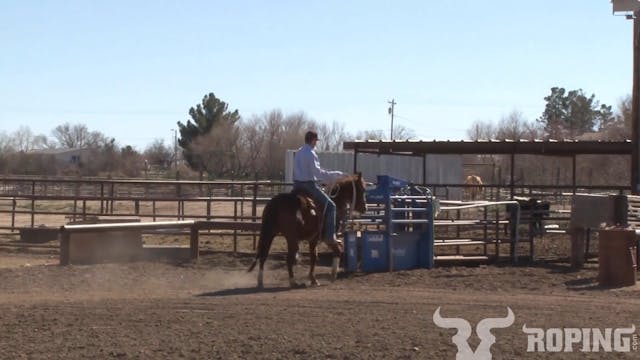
(131, 69)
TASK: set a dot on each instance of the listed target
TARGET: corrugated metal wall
(440, 169)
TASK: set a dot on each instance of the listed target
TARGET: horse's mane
(347, 180)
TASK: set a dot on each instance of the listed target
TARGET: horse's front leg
(313, 255)
(292, 245)
(337, 250)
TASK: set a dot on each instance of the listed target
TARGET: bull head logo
(483, 329)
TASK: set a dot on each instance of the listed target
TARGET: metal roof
(535, 147)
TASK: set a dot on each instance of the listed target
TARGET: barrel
(617, 257)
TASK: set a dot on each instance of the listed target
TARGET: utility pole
(391, 111)
(635, 111)
(175, 149)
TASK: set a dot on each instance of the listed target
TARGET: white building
(65, 156)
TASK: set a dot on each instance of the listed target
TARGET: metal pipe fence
(24, 202)
(54, 202)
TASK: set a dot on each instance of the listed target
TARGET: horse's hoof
(334, 269)
(314, 283)
(334, 276)
(295, 285)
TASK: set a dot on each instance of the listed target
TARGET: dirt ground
(211, 310)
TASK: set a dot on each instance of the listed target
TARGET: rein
(335, 189)
(353, 198)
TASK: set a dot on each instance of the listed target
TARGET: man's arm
(322, 174)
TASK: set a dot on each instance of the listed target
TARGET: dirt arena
(211, 310)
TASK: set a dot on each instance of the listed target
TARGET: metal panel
(440, 169)
(351, 252)
(405, 251)
(375, 252)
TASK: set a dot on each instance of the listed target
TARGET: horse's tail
(267, 233)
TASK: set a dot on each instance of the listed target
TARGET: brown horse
(295, 216)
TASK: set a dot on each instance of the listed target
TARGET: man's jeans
(329, 228)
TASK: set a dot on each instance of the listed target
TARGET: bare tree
(158, 154)
(619, 126)
(511, 127)
(295, 126)
(370, 135)
(7, 144)
(272, 131)
(214, 151)
(25, 140)
(6, 151)
(252, 139)
(481, 130)
(130, 163)
(41, 141)
(282, 133)
(332, 136)
(71, 136)
(400, 133)
(624, 112)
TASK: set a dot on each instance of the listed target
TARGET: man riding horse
(295, 216)
(306, 172)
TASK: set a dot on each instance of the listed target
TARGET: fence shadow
(585, 284)
(558, 265)
(245, 291)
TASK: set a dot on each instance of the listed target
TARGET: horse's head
(360, 203)
(350, 190)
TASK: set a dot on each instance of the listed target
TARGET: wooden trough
(37, 235)
(116, 242)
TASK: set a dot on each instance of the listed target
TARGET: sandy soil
(211, 310)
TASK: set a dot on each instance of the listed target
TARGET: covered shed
(563, 148)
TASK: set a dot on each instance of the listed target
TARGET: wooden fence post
(64, 248)
(254, 209)
(194, 242)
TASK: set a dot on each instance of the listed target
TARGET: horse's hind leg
(292, 245)
(265, 245)
(261, 274)
(313, 255)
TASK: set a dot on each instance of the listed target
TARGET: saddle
(307, 204)
(309, 207)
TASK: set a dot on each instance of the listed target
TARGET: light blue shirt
(306, 166)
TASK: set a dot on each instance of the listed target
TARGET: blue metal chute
(401, 215)
(386, 186)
